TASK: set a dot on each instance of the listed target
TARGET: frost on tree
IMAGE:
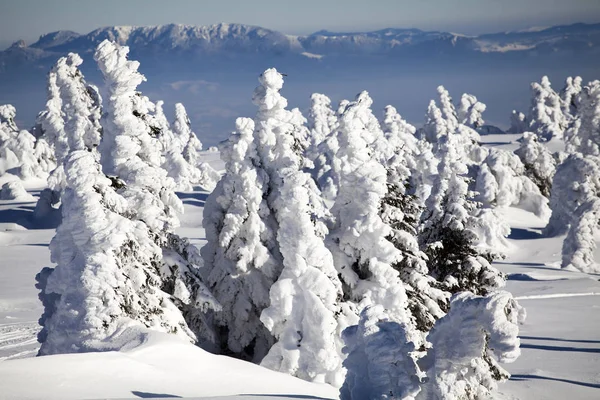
(303, 312)
(363, 255)
(584, 134)
(580, 243)
(207, 177)
(570, 96)
(575, 203)
(467, 345)
(17, 148)
(323, 124)
(518, 122)
(400, 209)
(510, 187)
(538, 161)
(131, 158)
(418, 154)
(546, 118)
(470, 111)
(106, 288)
(379, 362)
(577, 180)
(182, 173)
(241, 255)
(448, 229)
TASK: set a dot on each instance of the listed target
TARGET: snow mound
(14, 190)
(161, 366)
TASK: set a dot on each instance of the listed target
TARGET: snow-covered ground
(560, 338)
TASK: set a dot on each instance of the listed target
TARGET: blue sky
(27, 19)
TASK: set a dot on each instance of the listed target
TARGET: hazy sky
(28, 19)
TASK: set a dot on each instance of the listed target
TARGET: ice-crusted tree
(106, 289)
(304, 310)
(182, 173)
(546, 118)
(467, 345)
(323, 123)
(580, 243)
(576, 181)
(470, 111)
(511, 187)
(570, 96)
(363, 255)
(448, 229)
(418, 154)
(17, 147)
(241, 255)
(539, 163)
(400, 209)
(379, 359)
(182, 128)
(584, 134)
(131, 157)
(518, 122)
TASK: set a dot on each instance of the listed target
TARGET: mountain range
(185, 62)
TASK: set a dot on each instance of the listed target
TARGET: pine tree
(538, 161)
(207, 177)
(518, 122)
(448, 234)
(570, 96)
(323, 124)
(467, 345)
(241, 255)
(363, 256)
(304, 308)
(577, 180)
(105, 290)
(379, 362)
(131, 157)
(470, 111)
(546, 118)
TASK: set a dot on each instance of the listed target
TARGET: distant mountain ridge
(247, 38)
(213, 69)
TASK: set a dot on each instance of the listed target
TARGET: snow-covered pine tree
(17, 147)
(467, 345)
(131, 157)
(105, 290)
(580, 243)
(400, 209)
(584, 134)
(570, 96)
(323, 123)
(305, 312)
(518, 122)
(379, 362)
(448, 226)
(417, 153)
(182, 129)
(241, 255)
(576, 181)
(539, 163)
(363, 255)
(546, 118)
(512, 187)
(470, 111)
